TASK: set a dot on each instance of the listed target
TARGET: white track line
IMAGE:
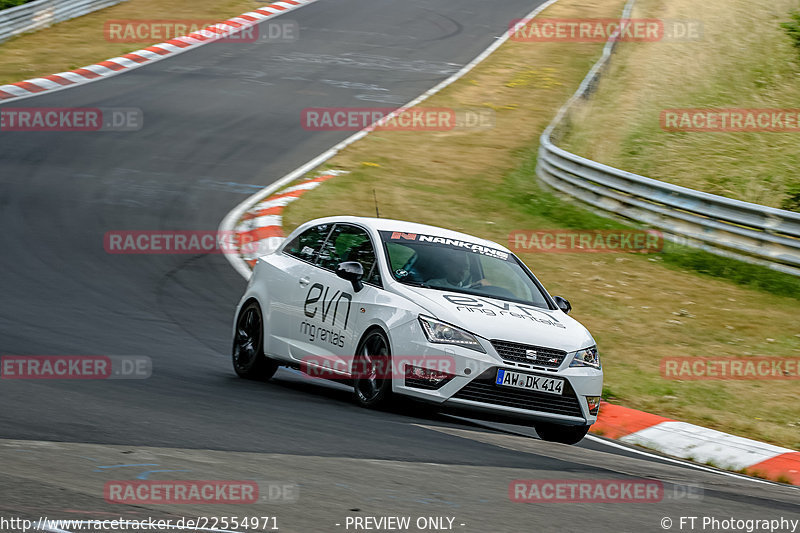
(229, 222)
(683, 462)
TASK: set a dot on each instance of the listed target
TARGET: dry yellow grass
(638, 310)
(745, 60)
(81, 41)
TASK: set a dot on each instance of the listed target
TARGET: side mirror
(353, 272)
(563, 304)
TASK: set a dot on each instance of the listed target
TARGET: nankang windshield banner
(444, 242)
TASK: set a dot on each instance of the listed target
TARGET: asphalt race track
(221, 122)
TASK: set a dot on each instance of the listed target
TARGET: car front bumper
(471, 389)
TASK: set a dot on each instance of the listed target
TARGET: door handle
(305, 281)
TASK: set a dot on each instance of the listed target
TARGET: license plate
(509, 378)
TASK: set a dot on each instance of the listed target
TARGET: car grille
(546, 357)
(483, 389)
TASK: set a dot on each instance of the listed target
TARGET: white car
(398, 308)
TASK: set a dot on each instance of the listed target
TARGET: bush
(793, 28)
(792, 200)
(5, 4)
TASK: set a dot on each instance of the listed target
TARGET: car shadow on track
(405, 409)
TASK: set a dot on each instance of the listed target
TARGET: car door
(288, 277)
(332, 311)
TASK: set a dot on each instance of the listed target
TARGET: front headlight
(586, 357)
(442, 333)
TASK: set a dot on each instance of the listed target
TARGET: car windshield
(459, 266)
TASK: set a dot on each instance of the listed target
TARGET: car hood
(492, 319)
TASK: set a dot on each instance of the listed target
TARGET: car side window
(350, 243)
(306, 245)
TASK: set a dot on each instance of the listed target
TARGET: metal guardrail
(720, 225)
(43, 13)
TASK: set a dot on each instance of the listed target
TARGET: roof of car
(385, 224)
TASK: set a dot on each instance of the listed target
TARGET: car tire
(372, 374)
(248, 356)
(560, 433)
